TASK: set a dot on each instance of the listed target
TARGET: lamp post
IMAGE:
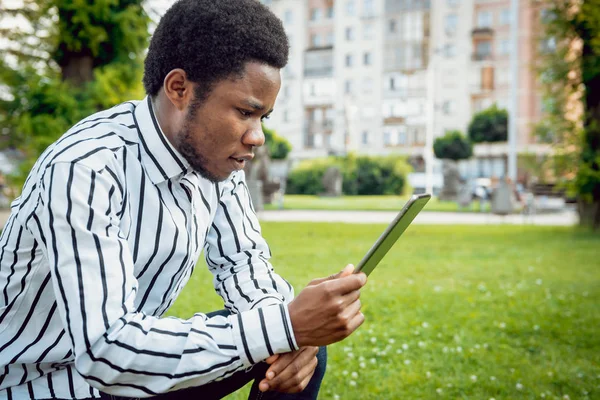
(514, 87)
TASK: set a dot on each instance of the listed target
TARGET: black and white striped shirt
(108, 229)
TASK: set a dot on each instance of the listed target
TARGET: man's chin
(214, 178)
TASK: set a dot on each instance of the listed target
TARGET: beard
(197, 160)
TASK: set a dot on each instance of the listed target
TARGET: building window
(392, 26)
(392, 83)
(315, 14)
(288, 17)
(330, 39)
(451, 23)
(369, 8)
(348, 87)
(504, 46)
(368, 31)
(452, 3)
(329, 12)
(286, 116)
(315, 40)
(349, 60)
(350, 9)
(367, 58)
(365, 137)
(368, 85)
(483, 49)
(312, 89)
(505, 16)
(387, 138)
(402, 135)
(349, 33)
(449, 50)
(286, 91)
(484, 19)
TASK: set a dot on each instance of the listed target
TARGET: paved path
(565, 218)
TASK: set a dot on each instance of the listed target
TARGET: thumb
(348, 269)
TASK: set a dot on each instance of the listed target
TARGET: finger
(272, 359)
(280, 365)
(347, 283)
(299, 381)
(296, 371)
(350, 311)
(348, 269)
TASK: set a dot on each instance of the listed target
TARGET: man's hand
(290, 372)
(328, 309)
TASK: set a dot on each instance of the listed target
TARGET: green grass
(367, 203)
(453, 312)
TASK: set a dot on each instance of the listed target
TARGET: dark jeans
(220, 389)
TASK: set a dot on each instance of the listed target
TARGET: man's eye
(265, 117)
(245, 113)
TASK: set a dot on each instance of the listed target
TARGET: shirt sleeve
(238, 255)
(116, 348)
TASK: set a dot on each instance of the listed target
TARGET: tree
(570, 75)
(489, 125)
(69, 60)
(278, 146)
(453, 146)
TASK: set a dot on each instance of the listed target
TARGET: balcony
(325, 126)
(482, 33)
(318, 62)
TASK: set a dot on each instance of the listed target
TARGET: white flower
(485, 345)
(492, 378)
(439, 390)
(477, 346)
(392, 341)
(362, 365)
(550, 373)
(350, 355)
(398, 351)
(372, 361)
(373, 339)
(410, 282)
(536, 327)
(538, 281)
(361, 358)
(566, 397)
(519, 386)
(406, 362)
(428, 374)
(336, 397)
(354, 374)
(543, 395)
(437, 289)
(347, 349)
(425, 325)
(421, 344)
(491, 398)
(405, 346)
(344, 372)
(352, 383)
(459, 349)
(510, 293)
(530, 268)
(474, 378)
(502, 325)
(445, 349)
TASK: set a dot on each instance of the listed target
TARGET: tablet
(392, 233)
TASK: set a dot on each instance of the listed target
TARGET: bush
(489, 125)
(278, 146)
(362, 175)
(454, 146)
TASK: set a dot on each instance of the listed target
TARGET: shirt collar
(159, 158)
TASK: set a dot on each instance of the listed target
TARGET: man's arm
(237, 254)
(116, 348)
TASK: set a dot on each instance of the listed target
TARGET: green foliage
(454, 146)
(362, 175)
(278, 146)
(45, 95)
(489, 125)
(570, 76)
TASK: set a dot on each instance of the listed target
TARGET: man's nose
(255, 136)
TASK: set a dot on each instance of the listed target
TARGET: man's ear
(178, 89)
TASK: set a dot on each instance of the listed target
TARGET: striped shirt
(107, 231)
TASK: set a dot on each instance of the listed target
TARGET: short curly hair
(212, 40)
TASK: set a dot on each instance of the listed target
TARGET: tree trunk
(589, 214)
(78, 69)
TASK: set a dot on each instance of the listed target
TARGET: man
(111, 223)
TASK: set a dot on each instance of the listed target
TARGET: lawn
(366, 203)
(453, 312)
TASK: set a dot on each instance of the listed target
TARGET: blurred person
(113, 218)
